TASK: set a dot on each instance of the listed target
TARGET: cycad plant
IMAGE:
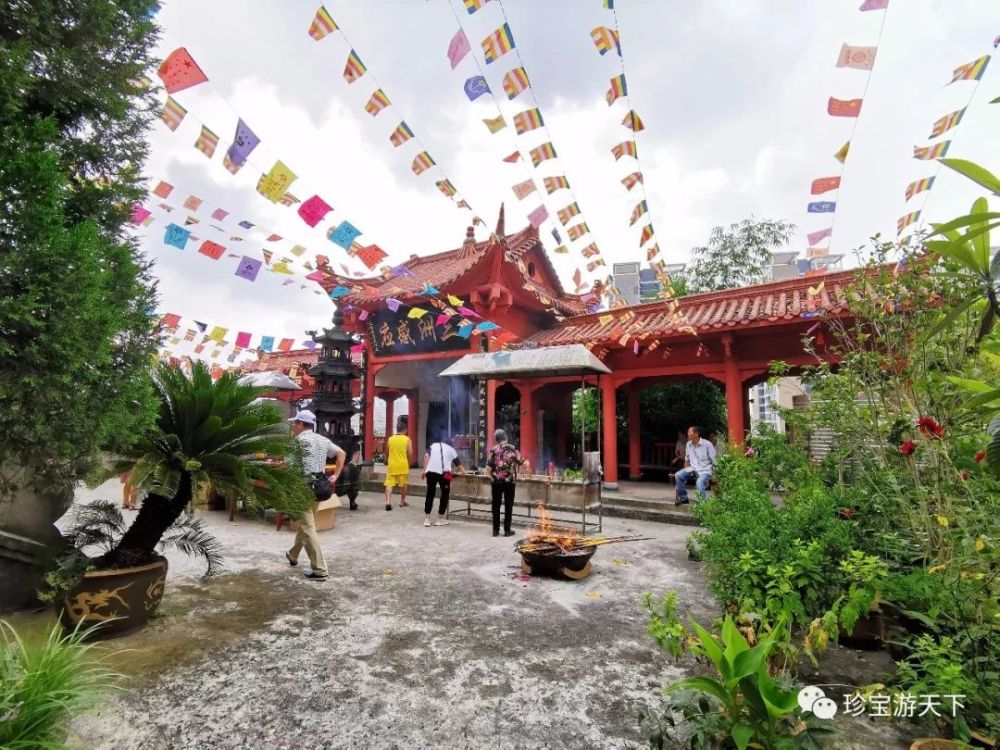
(207, 433)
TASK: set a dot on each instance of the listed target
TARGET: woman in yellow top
(398, 466)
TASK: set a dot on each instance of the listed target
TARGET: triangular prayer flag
(322, 24)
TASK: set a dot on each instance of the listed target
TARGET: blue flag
(344, 234)
(339, 291)
(822, 207)
(465, 330)
(475, 87)
(176, 236)
(266, 343)
(555, 235)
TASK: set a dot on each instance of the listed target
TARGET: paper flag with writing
(475, 87)
(274, 184)
(163, 189)
(344, 234)
(458, 48)
(139, 214)
(822, 207)
(285, 345)
(244, 142)
(212, 249)
(824, 185)
(179, 71)
(176, 236)
(312, 211)
(860, 58)
(523, 189)
(248, 268)
(243, 339)
(843, 107)
(219, 214)
(536, 217)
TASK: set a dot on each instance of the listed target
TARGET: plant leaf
(974, 172)
(742, 734)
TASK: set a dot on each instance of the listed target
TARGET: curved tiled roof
(732, 309)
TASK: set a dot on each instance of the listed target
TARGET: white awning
(271, 379)
(554, 361)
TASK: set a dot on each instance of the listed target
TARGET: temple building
(429, 312)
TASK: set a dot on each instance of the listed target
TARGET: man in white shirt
(699, 459)
(439, 460)
(316, 450)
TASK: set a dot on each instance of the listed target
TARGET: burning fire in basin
(553, 550)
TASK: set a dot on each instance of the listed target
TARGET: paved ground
(423, 637)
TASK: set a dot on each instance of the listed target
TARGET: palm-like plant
(207, 433)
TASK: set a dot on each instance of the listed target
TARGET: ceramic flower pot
(118, 601)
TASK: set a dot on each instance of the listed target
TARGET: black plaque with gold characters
(395, 333)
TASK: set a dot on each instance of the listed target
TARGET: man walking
(316, 450)
(699, 459)
(397, 465)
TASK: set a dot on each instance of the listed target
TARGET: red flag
(843, 107)
(285, 345)
(170, 320)
(212, 249)
(513, 157)
(371, 255)
(179, 71)
(825, 185)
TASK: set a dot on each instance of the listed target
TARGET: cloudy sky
(732, 93)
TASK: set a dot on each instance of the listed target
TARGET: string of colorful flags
(516, 82)
(608, 40)
(204, 336)
(322, 26)
(946, 124)
(179, 71)
(856, 58)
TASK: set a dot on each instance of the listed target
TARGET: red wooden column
(491, 414)
(734, 394)
(564, 423)
(529, 430)
(390, 407)
(634, 445)
(412, 428)
(609, 438)
(368, 439)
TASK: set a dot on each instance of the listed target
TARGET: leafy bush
(43, 686)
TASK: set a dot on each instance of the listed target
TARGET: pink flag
(874, 5)
(139, 214)
(219, 214)
(357, 348)
(442, 318)
(536, 217)
(363, 316)
(313, 210)
(468, 313)
(817, 237)
(458, 48)
(243, 339)
(315, 276)
(861, 58)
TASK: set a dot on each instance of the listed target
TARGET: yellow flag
(452, 299)
(274, 184)
(606, 319)
(496, 124)
(841, 155)
(297, 250)
(562, 249)
(218, 334)
(281, 266)
(416, 312)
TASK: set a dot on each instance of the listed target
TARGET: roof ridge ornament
(500, 223)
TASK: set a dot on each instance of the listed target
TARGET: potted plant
(858, 610)
(206, 433)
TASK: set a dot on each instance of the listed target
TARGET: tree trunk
(157, 514)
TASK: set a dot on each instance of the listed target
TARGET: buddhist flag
(523, 189)
(542, 153)
(422, 162)
(496, 124)
(322, 24)
(528, 120)
(400, 135)
(207, 141)
(605, 40)
(577, 231)
(651, 252)
(515, 82)
(646, 235)
(928, 153)
(274, 184)
(561, 250)
(638, 211)
(632, 121)
(824, 185)
(595, 264)
(609, 4)
(860, 58)
(377, 102)
(843, 107)
(230, 164)
(618, 89)
(354, 68)
(947, 122)
(972, 71)
(919, 186)
(568, 213)
(556, 183)
(822, 207)
(288, 200)
(625, 148)
(173, 113)
(497, 44)
(590, 250)
(179, 71)
(473, 5)
(632, 180)
(446, 188)
(905, 221)
(842, 152)
(163, 189)
(512, 158)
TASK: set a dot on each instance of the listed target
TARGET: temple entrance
(508, 414)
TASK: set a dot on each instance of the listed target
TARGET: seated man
(699, 459)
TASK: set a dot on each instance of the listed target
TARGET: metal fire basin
(574, 564)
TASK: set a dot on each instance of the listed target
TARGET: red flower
(929, 426)
(980, 456)
(965, 476)
(908, 448)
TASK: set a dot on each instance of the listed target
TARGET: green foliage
(664, 624)
(45, 685)
(75, 291)
(671, 407)
(736, 255)
(585, 411)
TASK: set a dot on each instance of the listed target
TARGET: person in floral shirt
(502, 464)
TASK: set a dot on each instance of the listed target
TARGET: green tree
(75, 292)
(736, 255)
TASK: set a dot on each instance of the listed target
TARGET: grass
(45, 684)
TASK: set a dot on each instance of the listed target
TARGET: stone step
(661, 514)
(648, 503)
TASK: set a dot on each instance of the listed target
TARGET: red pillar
(491, 413)
(390, 409)
(634, 445)
(735, 398)
(368, 439)
(412, 428)
(609, 438)
(564, 423)
(529, 435)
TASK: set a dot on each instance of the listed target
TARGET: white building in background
(765, 398)
(637, 284)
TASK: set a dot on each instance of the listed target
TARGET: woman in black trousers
(502, 465)
(440, 461)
